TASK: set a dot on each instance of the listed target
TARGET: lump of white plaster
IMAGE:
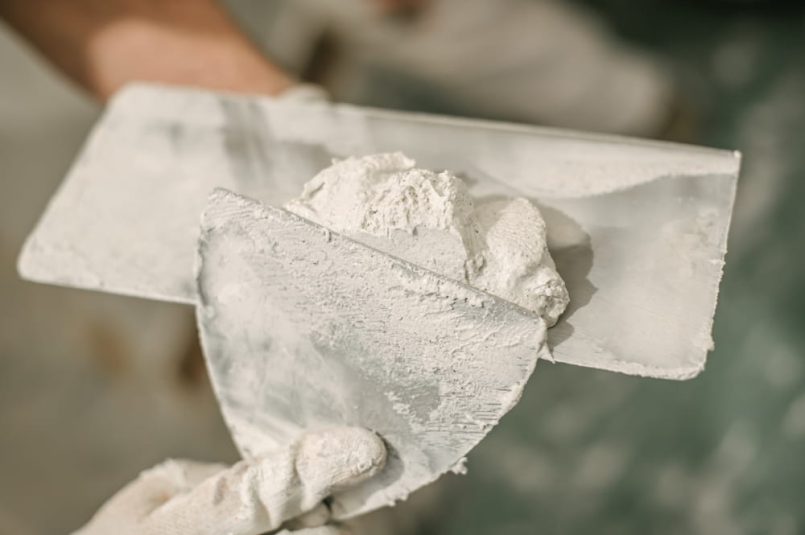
(430, 219)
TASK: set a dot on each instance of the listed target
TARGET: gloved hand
(281, 490)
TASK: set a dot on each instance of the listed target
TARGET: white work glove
(281, 490)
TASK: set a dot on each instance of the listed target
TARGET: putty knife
(638, 229)
(304, 328)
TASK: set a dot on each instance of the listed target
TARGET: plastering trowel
(299, 324)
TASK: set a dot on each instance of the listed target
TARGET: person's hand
(281, 490)
(105, 44)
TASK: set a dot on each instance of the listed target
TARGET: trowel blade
(638, 229)
(304, 329)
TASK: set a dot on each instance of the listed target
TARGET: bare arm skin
(104, 44)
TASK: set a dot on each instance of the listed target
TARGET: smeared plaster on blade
(304, 328)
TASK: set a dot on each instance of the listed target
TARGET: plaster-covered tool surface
(638, 229)
(304, 328)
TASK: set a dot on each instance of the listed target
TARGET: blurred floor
(94, 388)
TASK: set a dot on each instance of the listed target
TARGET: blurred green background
(724, 453)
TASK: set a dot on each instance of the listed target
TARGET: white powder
(430, 219)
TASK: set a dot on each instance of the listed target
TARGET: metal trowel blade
(303, 329)
(638, 229)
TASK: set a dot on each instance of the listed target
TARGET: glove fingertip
(340, 456)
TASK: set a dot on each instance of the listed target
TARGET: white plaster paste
(430, 219)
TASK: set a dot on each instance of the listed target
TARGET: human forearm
(103, 44)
